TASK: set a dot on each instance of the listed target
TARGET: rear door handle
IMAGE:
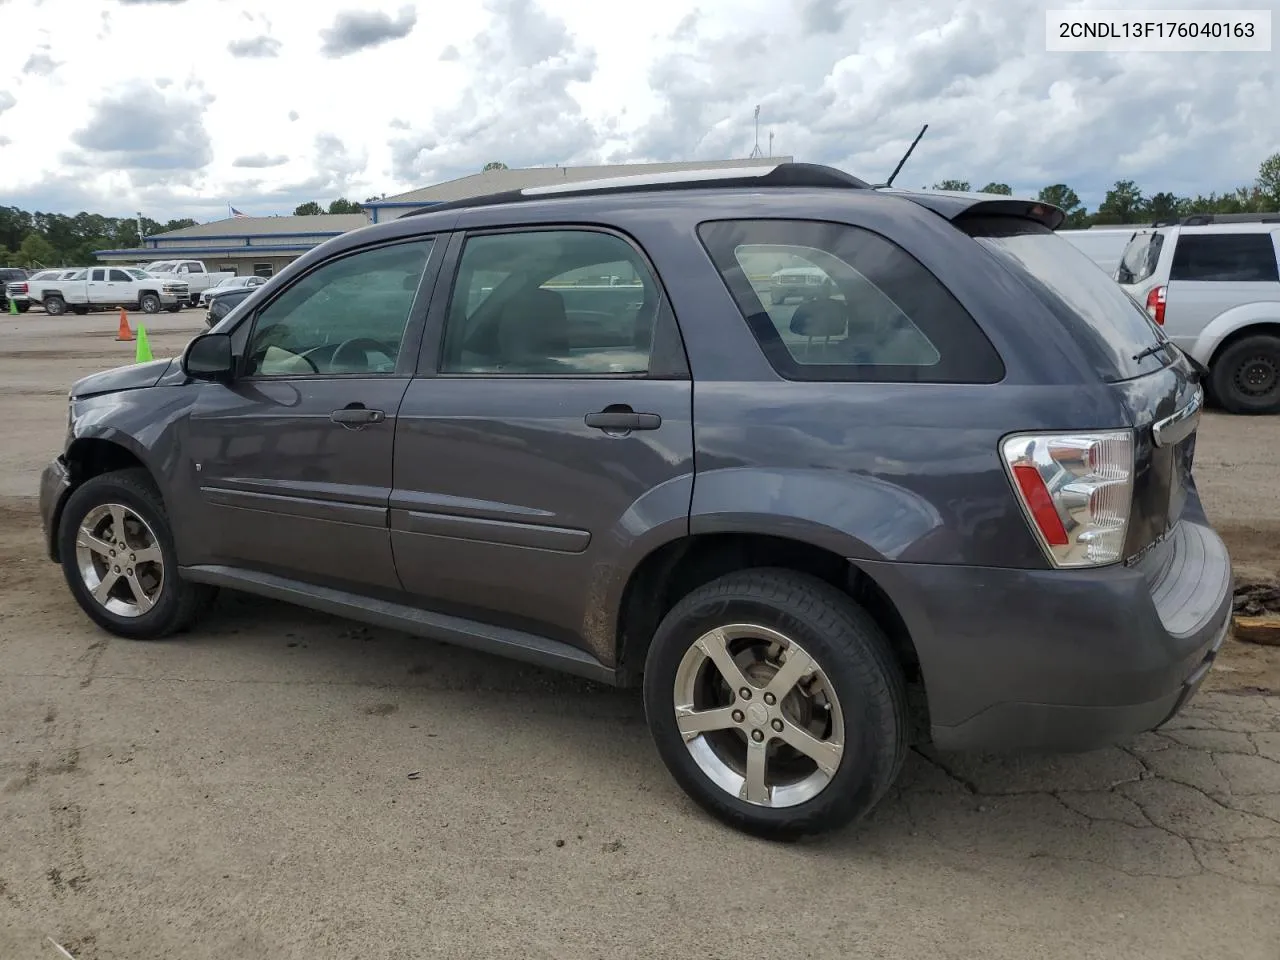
(621, 420)
(357, 415)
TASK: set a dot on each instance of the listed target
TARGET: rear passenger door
(1213, 272)
(547, 435)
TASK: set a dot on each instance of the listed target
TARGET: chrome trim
(1176, 427)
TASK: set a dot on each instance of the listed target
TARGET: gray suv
(952, 501)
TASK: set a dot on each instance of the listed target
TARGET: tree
(1123, 204)
(1269, 181)
(1164, 206)
(959, 185)
(308, 209)
(1002, 188)
(343, 205)
(36, 251)
(494, 165)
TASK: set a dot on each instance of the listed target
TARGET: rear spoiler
(953, 206)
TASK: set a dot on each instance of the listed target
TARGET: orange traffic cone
(125, 333)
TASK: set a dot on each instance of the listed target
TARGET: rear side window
(1140, 257)
(1112, 329)
(1225, 258)
(834, 302)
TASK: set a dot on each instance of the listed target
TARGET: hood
(131, 377)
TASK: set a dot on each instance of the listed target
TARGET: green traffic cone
(143, 353)
(13, 307)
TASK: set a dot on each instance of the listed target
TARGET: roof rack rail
(1206, 219)
(778, 175)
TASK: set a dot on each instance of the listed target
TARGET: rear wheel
(1245, 378)
(776, 703)
(55, 306)
(80, 311)
(119, 560)
(24, 306)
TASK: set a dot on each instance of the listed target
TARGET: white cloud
(364, 97)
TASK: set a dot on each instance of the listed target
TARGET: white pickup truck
(192, 272)
(106, 287)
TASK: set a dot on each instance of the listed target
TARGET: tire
(149, 303)
(54, 305)
(194, 301)
(777, 298)
(175, 308)
(174, 603)
(80, 311)
(855, 663)
(1245, 377)
(24, 307)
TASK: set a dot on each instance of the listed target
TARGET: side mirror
(208, 357)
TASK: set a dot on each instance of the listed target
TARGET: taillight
(1155, 305)
(1076, 490)
(19, 287)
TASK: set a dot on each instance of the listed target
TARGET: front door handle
(356, 415)
(619, 421)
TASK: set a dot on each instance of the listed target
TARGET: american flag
(237, 214)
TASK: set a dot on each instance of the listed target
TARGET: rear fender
(1257, 314)
(856, 517)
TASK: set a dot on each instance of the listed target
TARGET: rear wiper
(1151, 351)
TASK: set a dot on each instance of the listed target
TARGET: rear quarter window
(833, 302)
(1225, 258)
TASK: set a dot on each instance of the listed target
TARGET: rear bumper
(1064, 660)
(55, 486)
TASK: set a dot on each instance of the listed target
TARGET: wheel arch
(92, 455)
(1255, 328)
(676, 568)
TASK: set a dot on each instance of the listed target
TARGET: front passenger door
(292, 460)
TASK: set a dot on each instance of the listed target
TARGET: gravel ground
(282, 784)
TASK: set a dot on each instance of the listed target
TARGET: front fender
(1231, 321)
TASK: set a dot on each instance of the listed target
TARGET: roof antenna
(889, 182)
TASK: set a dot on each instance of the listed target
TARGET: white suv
(1213, 283)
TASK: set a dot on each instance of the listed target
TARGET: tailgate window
(1116, 334)
(1140, 257)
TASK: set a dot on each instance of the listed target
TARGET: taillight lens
(1155, 305)
(1076, 490)
(19, 287)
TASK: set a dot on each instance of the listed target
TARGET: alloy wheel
(758, 715)
(119, 560)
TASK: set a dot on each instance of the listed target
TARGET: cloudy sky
(180, 107)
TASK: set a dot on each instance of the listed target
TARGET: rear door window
(1113, 330)
(833, 302)
(1140, 257)
(1225, 258)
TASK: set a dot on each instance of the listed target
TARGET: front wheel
(776, 703)
(55, 306)
(1245, 378)
(118, 557)
(149, 303)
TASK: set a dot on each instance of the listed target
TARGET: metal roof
(265, 226)
(502, 181)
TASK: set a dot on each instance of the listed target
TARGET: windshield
(1140, 257)
(160, 266)
(1114, 331)
(137, 274)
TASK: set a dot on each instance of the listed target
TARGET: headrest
(820, 318)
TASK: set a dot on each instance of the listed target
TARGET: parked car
(1213, 283)
(1103, 245)
(954, 503)
(223, 302)
(193, 273)
(230, 283)
(26, 292)
(10, 275)
(108, 287)
(807, 283)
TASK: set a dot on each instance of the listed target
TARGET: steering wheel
(354, 353)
